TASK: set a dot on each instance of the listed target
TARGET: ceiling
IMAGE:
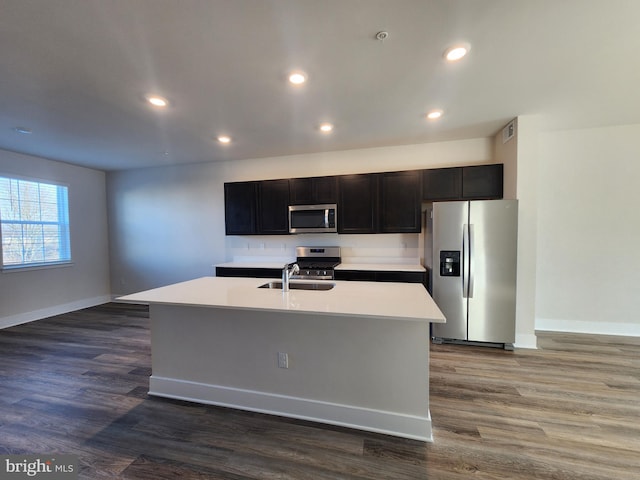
(75, 73)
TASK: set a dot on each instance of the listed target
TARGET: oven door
(312, 218)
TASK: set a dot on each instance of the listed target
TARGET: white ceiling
(75, 72)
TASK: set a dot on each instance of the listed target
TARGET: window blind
(34, 223)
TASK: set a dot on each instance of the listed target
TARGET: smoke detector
(382, 35)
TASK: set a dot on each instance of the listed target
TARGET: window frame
(62, 223)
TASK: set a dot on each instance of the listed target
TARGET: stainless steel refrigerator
(472, 247)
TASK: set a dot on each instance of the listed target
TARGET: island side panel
(364, 372)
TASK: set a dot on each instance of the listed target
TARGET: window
(34, 223)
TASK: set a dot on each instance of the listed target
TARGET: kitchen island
(356, 355)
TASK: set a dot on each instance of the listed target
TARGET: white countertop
(255, 264)
(394, 301)
(381, 267)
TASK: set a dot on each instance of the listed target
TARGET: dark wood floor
(76, 384)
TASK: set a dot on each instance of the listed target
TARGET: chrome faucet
(287, 271)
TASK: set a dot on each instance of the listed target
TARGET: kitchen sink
(277, 285)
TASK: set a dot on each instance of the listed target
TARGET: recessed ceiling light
(224, 139)
(157, 101)
(456, 52)
(297, 77)
(326, 127)
(23, 130)
(434, 114)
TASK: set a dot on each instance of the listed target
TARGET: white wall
(588, 231)
(507, 154)
(577, 193)
(167, 224)
(521, 156)
(33, 294)
(527, 194)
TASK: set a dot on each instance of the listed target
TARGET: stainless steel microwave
(313, 218)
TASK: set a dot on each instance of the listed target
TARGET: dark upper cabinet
(367, 203)
(442, 184)
(309, 191)
(400, 202)
(300, 191)
(357, 203)
(463, 183)
(483, 182)
(273, 212)
(325, 189)
(240, 208)
(256, 207)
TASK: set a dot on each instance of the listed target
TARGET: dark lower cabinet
(400, 202)
(382, 276)
(355, 275)
(357, 203)
(350, 275)
(273, 209)
(240, 208)
(405, 277)
(248, 272)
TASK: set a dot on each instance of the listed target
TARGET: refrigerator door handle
(470, 255)
(465, 261)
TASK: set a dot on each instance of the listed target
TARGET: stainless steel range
(317, 263)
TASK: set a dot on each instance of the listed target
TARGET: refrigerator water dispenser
(449, 263)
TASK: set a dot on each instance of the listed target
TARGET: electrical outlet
(283, 360)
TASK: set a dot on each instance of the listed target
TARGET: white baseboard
(526, 341)
(27, 317)
(390, 423)
(594, 328)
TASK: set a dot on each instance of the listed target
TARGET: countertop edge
(194, 293)
(302, 312)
